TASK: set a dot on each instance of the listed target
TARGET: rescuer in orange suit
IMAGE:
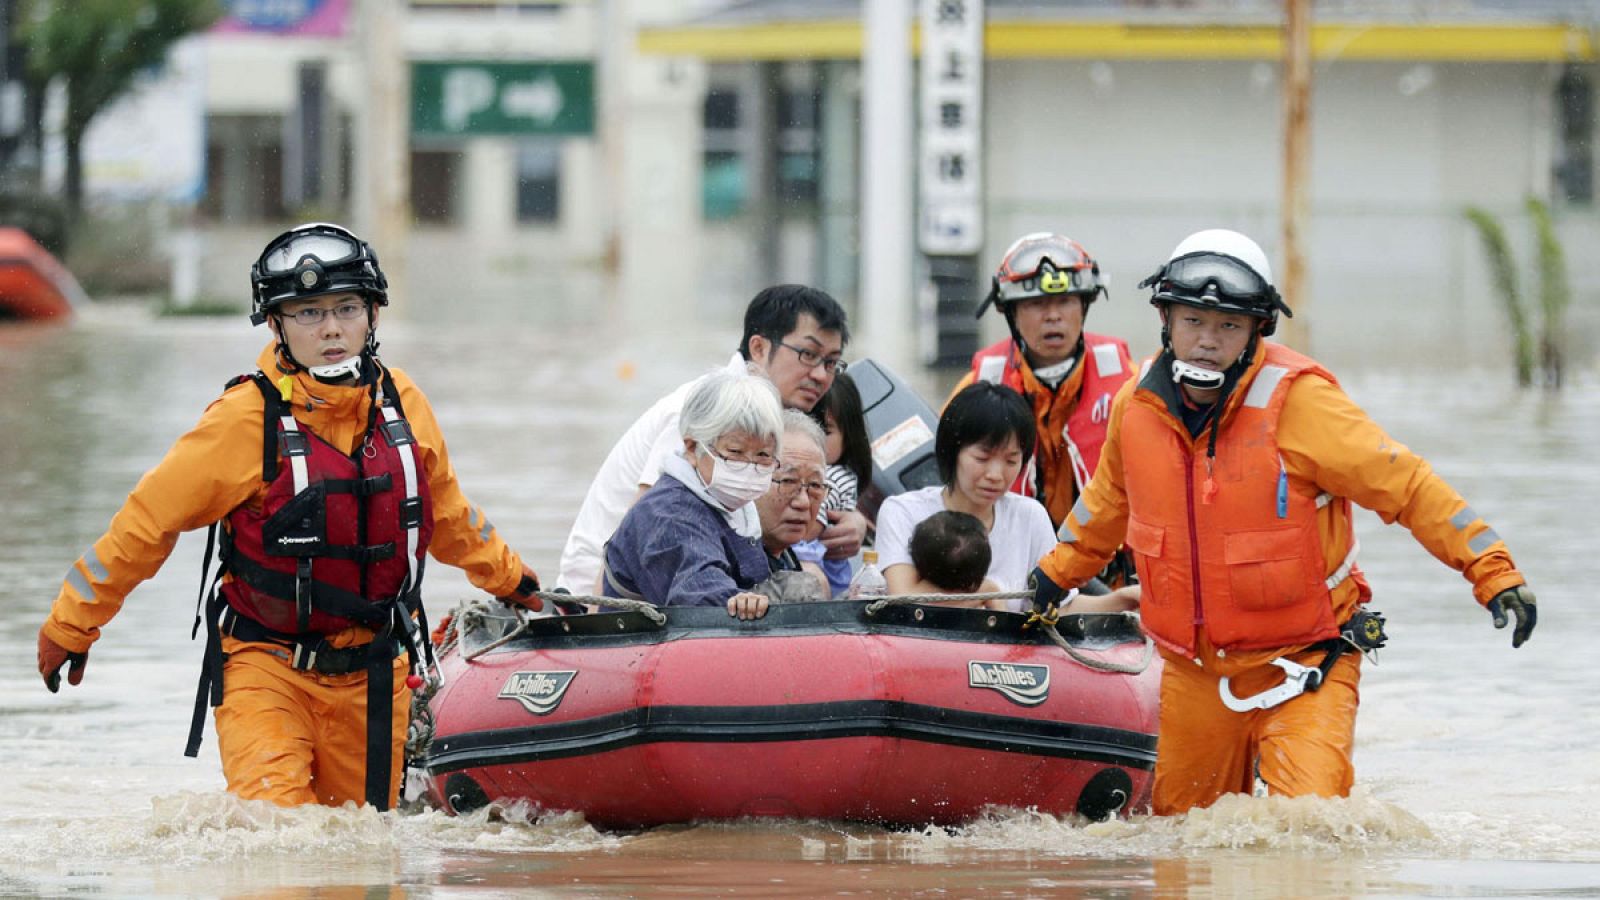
(1229, 471)
(329, 478)
(1043, 287)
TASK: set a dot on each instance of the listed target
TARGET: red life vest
(1248, 564)
(337, 539)
(1085, 429)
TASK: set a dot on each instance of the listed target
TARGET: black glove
(526, 591)
(1519, 601)
(53, 658)
(1046, 593)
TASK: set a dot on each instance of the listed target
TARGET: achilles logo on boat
(1025, 685)
(538, 692)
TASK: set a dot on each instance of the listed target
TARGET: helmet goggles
(313, 261)
(1044, 265)
(327, 247)
(1212, 280)
(1044, 279)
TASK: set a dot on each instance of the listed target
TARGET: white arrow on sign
(538, 100)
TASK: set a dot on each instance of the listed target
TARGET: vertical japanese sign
(950, 177)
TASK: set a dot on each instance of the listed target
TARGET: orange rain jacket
(216, 467)
(1327, 445)
(1050, 476)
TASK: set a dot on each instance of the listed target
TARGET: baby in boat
(950, 551)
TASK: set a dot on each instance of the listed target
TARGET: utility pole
(383, 142)
(1296, 332)
(886, 206)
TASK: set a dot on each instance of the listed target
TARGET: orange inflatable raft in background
(33, 284)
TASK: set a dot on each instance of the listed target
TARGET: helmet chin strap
(347, 368)
(1196, 377)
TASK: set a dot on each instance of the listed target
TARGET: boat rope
(467, 615)
(508, 637)
(879, 604)
(419, 733)
(643, 607)
(1046, 623)
(474, 613)
(1105, 665)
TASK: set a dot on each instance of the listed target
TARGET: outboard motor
(900, 426)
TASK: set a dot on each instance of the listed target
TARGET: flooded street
(1477, 767)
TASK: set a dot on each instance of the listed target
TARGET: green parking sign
(511, 98)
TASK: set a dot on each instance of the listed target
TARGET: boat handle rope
(1046, 625)
(648, 610)
(878, 605)
(657, 617)
(1102, 665)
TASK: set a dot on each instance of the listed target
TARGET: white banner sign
(151, 141)
(950, 176)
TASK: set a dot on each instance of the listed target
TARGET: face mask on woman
(734, 488)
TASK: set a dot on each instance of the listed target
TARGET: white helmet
(1223, 270)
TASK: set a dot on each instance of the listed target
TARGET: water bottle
(869, 582)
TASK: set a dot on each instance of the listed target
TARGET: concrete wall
(1129, 157)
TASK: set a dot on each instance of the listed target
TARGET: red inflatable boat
(909, 715)
(33, 285)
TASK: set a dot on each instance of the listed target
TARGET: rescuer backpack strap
(207, 607)
(396, 432)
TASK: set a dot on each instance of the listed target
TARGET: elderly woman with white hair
(694, 538)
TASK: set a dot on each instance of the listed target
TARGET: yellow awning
(1014, 39)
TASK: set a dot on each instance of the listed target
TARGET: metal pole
(885, 301)
(1296, 332)
(383, 142)
(611, 72)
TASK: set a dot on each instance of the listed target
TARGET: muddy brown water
(1477, 767)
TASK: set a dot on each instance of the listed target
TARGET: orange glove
(526, 589)
(53, 656)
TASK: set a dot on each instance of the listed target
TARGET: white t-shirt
(1021, 536)
(636, 459)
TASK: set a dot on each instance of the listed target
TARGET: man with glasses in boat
(1230, 471)
(794, 336)
(329, 478)
(789, 512)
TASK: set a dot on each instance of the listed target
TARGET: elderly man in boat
(790, 512)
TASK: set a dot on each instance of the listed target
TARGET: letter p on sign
(466, 93)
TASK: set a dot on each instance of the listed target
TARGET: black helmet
(313, 260)
(1222, 270)
(1044, 265)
